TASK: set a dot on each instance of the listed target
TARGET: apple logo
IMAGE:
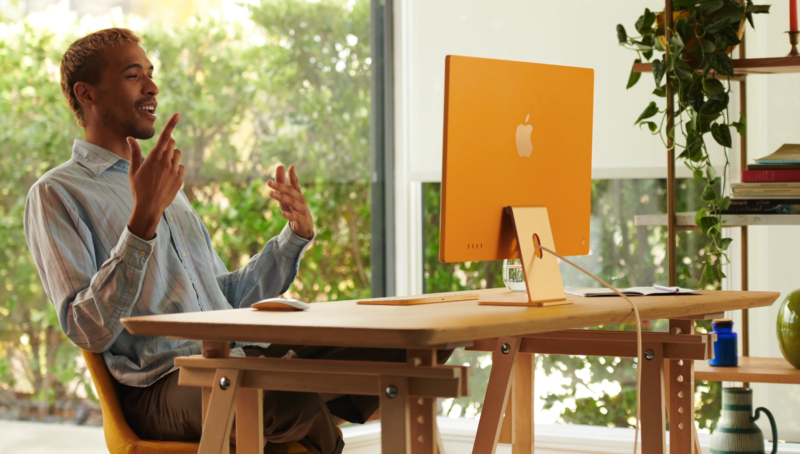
(524, 144)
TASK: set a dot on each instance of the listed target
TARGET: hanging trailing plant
(698, 67)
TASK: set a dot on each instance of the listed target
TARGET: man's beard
(129, 127)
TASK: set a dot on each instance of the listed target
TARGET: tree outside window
(279, 82)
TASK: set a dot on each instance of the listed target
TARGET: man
(113, 235)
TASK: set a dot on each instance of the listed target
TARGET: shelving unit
(766, 370)
(677, 222)
(685, 221)
(750, 369)
(748, 66)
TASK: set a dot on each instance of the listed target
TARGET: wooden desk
(421, 330)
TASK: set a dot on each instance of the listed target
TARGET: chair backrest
(117, 432)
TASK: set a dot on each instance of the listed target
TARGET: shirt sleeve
(268, 274)
(90, 298)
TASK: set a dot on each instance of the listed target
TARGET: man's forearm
(91, 318)
(272, 273)
(143, 223)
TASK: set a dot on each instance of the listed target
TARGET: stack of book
(770, 186)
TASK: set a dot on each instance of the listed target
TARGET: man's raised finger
(293, 178)
(280, 174)
(166, 134)
(176, 158)
(136, 155)
(168, 152)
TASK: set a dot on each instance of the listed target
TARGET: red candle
(793, 15)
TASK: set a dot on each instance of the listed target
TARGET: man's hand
(293, 204)
(155, 183)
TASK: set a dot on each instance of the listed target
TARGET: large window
(577, 389)
(258, 84)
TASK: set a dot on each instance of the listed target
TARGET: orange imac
(517, 168)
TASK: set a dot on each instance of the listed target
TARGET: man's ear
(83, 92)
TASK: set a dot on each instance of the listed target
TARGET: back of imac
(515, 135)
(517, 169)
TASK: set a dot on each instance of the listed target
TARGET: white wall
(575, 33)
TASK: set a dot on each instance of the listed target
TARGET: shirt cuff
(134, 250)
(292, 245)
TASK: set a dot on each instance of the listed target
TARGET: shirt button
(184, 254)
(142, 253)
(171, 218)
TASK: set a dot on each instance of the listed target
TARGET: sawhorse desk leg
(653, 424)
(682, 433)
(395, 416)
(407, 394)
(425, 437)
(517, 427)
(522, 408)
(513, 368)
(504, 358)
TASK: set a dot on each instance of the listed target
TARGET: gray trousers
(169, 412)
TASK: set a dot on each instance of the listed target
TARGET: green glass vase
(789, 328)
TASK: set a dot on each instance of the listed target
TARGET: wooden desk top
(344, 323)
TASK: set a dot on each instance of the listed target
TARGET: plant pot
(692, 44)
(736, 431)
(789, 328)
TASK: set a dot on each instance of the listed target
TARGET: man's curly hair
(83, 62)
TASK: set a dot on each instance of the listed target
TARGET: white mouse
(280, 304)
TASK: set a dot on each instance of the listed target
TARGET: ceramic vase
(789, 328)
(736, 430)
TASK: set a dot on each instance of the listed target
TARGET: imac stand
(542, 276)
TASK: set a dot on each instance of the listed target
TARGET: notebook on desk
(632, 291)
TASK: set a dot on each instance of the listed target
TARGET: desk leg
(219, 418)
(250, 422)
(681, 398)
(422, 411)
(507, 428)
(504, 358)
(654, 429)
(522, 409)
(206, 398)
(212, 349)
(394, 415)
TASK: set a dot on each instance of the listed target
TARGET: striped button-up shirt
(96, 272)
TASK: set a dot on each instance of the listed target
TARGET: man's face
(126, 96)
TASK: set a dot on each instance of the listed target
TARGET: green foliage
(702, 37)
(35, 137)
(289, 86)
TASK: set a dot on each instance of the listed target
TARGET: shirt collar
(97, 159)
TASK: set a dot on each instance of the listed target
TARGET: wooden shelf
(685, 221)
(750, 370)
(748, 66)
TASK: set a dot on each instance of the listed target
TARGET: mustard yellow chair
(120, 439)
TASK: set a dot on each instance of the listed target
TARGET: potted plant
(698, 67)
